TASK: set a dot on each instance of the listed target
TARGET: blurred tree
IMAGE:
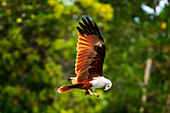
(38, 50)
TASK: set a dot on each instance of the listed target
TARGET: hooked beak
(106, 89)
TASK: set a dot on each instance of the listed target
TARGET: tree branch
(146, 79)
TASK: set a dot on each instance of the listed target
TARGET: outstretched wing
(91, 51)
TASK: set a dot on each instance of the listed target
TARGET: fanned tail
(67, 88)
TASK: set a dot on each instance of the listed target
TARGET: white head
(108, 85)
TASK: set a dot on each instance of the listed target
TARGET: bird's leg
(91, 93)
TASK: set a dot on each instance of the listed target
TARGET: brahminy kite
(89, 62)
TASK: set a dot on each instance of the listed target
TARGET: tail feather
(67, 88)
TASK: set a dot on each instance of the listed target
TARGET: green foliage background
(38, 50)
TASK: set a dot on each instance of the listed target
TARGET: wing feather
(91, 51)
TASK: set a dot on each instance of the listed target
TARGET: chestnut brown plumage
(90, 58)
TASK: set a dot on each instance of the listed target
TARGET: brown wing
(91, 51)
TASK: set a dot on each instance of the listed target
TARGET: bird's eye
(107, 86)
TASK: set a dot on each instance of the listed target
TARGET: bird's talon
(91, 93)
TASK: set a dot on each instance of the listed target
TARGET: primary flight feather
(89, 62)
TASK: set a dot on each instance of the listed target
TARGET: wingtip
(77, 28)
(87, 17)
(83, 19)
(80, 31)
(80, 23)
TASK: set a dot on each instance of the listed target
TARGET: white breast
(99, 82)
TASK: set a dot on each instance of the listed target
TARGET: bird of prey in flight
(89, 62)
